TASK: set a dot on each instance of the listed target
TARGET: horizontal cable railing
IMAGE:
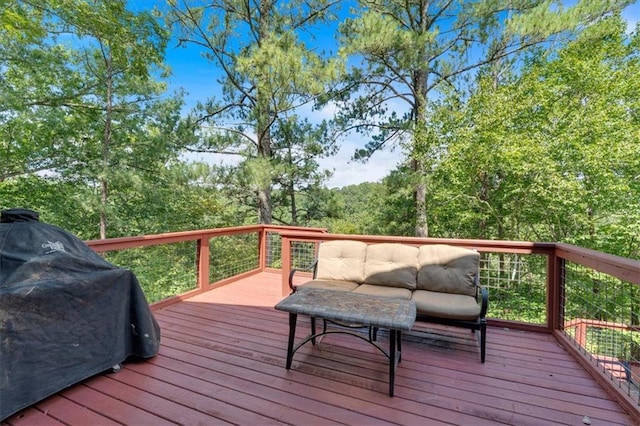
(517, 285)
(232, 255)
(600, 315)
(176, 265)
(158, 277)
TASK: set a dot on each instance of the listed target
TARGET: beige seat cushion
(378, 290)
(331, 285)
(446, 305)
(341, 261)
(447, 269)
(393, 265)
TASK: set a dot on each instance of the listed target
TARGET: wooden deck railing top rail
(616, 266)
(526, 247)
(201, 237)
(173, 237)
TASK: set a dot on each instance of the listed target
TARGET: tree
(88, 111)
(553, 154)
(35, 78)
(267, 73)
(297, 144)
(125, 118)
(415, 51)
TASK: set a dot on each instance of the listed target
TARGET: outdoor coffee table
(350, 309)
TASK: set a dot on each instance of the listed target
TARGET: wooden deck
(222, 362)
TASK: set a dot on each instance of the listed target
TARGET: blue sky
(198, 78)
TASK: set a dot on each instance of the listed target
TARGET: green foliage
(158, 278)
(84, 111)
(296, 147)
(268, 73)
(415, 52)
(393, 207)
(58, 202)
(351, 209)
(551, 156)
(517, 286)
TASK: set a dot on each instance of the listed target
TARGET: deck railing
(588, 300)
(178, 265)
(599, 316)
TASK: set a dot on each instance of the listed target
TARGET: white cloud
(347, 172)
(315, 116)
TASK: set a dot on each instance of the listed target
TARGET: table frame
(351, 305)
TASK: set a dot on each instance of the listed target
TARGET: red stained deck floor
(222, 361)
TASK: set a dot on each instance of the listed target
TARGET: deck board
(222, 358)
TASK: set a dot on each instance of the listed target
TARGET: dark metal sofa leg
(483, 340)
(373, 333)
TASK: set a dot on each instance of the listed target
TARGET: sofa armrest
(484, 294)
(313, 267)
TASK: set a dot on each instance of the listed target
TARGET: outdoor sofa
(441, 279)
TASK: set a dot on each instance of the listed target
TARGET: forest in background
(515, 122)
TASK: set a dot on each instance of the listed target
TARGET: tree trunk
(103, 210)
(106, 142)
(294, 208)
(421, 140)
(264, 119)
(264, 206)
(264, 151)
(420, 198)
(421, 144)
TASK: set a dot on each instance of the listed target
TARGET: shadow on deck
(222, 361)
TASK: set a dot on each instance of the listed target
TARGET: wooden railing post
(203, 263)
(581, 334)
(560, 313)
(555, 288)
(262, 248)
(286, 264)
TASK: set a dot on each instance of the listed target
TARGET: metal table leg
(292, 335)
(392, 359)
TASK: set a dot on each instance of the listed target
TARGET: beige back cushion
(391, 265)
(447, 269)
(341, 261)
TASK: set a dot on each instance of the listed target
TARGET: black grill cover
(65, 313)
